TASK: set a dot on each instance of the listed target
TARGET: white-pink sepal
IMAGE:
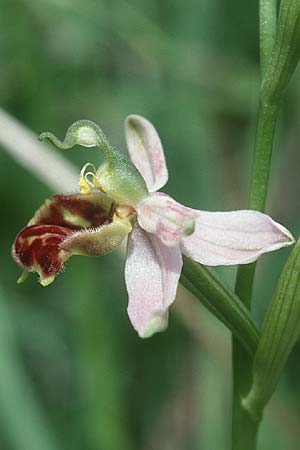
(146, 152)
(152, 274)
(235, 237)
(161, 215)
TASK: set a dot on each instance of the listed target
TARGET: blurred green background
(73, 373)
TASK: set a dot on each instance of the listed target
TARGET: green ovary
(122, 182)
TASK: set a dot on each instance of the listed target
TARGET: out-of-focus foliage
(73, 373)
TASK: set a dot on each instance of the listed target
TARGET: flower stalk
(244, 429)
(279, 58)
(285, 54)
(267, 30)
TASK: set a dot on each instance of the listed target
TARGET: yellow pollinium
(84, 187)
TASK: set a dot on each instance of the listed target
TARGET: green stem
(267, 30)
(242, 424)
(267, 119)
(244, 429)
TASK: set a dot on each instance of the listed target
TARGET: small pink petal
(235, 237)
(161, 215)
(146, 152)
(152, 273)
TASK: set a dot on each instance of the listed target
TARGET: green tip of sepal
(280, 331)
(189, 228)
(23, 277)
(46, 281)
(156, 325)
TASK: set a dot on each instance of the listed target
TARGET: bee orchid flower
(121, 199)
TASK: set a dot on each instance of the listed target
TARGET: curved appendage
(117, 176)
(85, 133)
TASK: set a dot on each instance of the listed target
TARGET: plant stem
(244, 429)
(267, 118)
(267, 30)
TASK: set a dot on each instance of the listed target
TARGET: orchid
(121, 199)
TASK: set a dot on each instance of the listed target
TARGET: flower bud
(280, 331)
(286, 52)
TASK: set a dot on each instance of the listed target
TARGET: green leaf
(280, 331)
(286, 52)
(221, 301)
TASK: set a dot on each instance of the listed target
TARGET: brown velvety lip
(38, 247)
